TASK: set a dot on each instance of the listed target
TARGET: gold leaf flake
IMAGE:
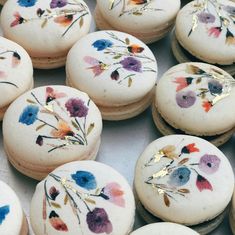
(160, 191)
(81, 22)
(160, 173)
(90, 201)
(218, 98)
(56, 205)
(127, 40)
(194, 22)
(44, 23)
(49, 108)
(30, 101)
(66, 198)
(157, 156)
(90, 128)
(111, 4)
(129, 82)
(49, 11)
(166, 200)
(41, 126)
(183, 190)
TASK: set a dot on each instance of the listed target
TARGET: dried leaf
(127, 40)
(40, 126)
(90, 201)
(117, 57)
(203, 89)
(111, 4)
(44, 23)
(2, 58)
(81, 22)
(56, 205)
(75, 125)
(30, 101)
(183, 161)
(90, 128)
(49, 11)
(217, 71)
(203, 95)
(168, 149)
(198, 80)
(183, 190)
(129, 82)
(166, 200)
(98, 191)
(137, 13)
(66, 198)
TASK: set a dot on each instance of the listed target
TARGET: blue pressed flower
(84, 179)
(215, 87)
(26, 3)
(179, 176)
(29, 115)
(102, 44)
(3, 212)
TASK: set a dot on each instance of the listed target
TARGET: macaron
(2, 2)
(164, 228)
(206, 30)
(55, 125)
(12, 218)
(117, 70)
(232, 215)
(16, 73)
(46, 29)
(83, 197)
(147, 20)
(196, 98)
(180, 174)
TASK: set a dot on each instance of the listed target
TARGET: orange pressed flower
(64, 20)
(138, 2)
(63, 130)
(191, 148)
(207, 105)
(135, 48)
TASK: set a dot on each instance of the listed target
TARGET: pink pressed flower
(51, 94)
(182, 82)
(215, 31)
(115, 194)
(18, 19)
(97, 68)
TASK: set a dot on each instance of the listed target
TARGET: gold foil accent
(219, 97)
(111, 3)
(160, 174)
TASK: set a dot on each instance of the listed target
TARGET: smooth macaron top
(139, 15)
(206, 29)
(164, 228)
(114, 68)
(45, 27)
(16, 71)
(11, 213)
(197, 98)
(52, 125)
(179, 174)
(84, 197)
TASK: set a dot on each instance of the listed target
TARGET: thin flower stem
(125, 78)
(83, 131)
(57, 147)
(47, 124)
(36, 99)
(46, 194)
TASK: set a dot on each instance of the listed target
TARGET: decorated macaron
(46, 29)
(12, 218)
(232, 215)
(147, 20)
(180, 174)
(206, 30)
(16, 73)
(196, 98)
(52, 125)
(83, 197)
(164, 228)
(2, 2)
(117, 70)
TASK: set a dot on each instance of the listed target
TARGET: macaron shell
(116, 212)
(55, 125)
(136, 15)
(198, 116)
(124, 77)
(208, 39)
(232, 214)
(45, 31)
(11, 214)
(16, 71)
(193, 173)
(163, 229)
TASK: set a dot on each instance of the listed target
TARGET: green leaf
(56, 205)
(90, 128)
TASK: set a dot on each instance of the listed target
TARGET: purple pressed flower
(98, 221)
(186, 99)
(206, 18)
(76, 107)
(209, 163)
(58, 3)
(230, 9)
(131, 64)
(115, 75)
(39, 140)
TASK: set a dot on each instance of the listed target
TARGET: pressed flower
(192, 69)
(85, 179)
(215, 87)
(207, 105)
(53, 192)
(203, 184)
(56, 222)
(98, 67)
(190, 148)
(58, 3)
(183, 82)
(186, 99)
(98, 221)
(209, 163)
(40, 12)
(230, 39)
(206, 18)
(115, 75)
(27, 3)
(131, 64)
(63, 130)
(102, 44)
(114, 194)
(215, 31)
(39, 140)
(51, 94)
(29, 115)
(138, 2)
(230, 9)
(134, 48)
(76, 107)
(15, 59)
(180, 176)
(18, 19)
(64, 20)
(4, 211)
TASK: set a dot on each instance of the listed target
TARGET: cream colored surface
(207, 48)
(181, 207)
(195, 120)
(13, 221)
(232, 215)
(121, 217)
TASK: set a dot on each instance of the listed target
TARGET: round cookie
(47, 29)
(83, 197)
(206, 30)
(12, 219)
(117, 70)
(232, 215)
(2, 2)
(164, 228)
(55, 125)
(196, 98)
(147, 20)
(178, 174)
(16, 73)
